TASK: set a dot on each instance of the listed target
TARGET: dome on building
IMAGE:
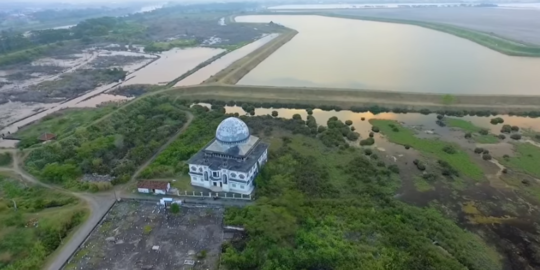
(232, 131)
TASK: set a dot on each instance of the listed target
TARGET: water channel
(206, 72)
(346, 53)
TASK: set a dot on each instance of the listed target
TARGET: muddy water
(171, 65)
(345, 53)
(223, 62)
(410, 119)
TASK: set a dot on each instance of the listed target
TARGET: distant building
(231, 161)
(154, 187)
(46, 137)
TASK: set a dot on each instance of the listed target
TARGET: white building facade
(231, 161)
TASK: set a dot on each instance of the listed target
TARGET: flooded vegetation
(367, 57)
(492, 189)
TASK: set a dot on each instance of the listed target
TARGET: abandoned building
(154, 187)
(231, 161)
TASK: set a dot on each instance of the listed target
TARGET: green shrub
(486, 156)
(353, 136)
(516, 136)
(449, 149)
(497, 120)
(375, 129)
(175, 208)
(348, 122)
(368, 151)
(394, 168)
(5, 159)
(368, 141)
(506, 129)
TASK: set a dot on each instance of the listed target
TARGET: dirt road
(99, 204)
(163, 147)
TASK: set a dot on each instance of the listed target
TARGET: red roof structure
(47, 137)
(161, 185)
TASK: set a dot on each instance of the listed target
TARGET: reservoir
(345, 53)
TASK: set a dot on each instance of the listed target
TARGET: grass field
(422, 185)
(467, 126)
(34, 230)
(526, 159)
(462, 124)
(62, 124)
(431, 147)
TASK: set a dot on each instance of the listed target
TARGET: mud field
(143, 235)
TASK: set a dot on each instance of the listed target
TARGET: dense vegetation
(198, 134)
(28, 234)
(159, 30)
(61, 124)
(5, 159)
(325, 208)
(113, 146)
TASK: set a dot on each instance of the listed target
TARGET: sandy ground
(517, 24)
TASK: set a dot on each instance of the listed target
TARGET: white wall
(143, 190)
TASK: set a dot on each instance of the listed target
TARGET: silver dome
(232, 131)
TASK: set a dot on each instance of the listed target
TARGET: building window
(193, 168)
(215, 174)
(233, 174)
(242, 186)
(242, 176)
(200, 169)
(233, 185)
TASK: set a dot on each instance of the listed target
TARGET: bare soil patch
(143, 235)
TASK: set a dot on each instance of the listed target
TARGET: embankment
(195, 69)
(237, 70)
(347, 98)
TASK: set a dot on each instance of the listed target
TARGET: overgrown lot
(115, 146)
(35, 229)
(61, 124)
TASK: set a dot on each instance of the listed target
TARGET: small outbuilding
(154, 187)
(46, 137)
